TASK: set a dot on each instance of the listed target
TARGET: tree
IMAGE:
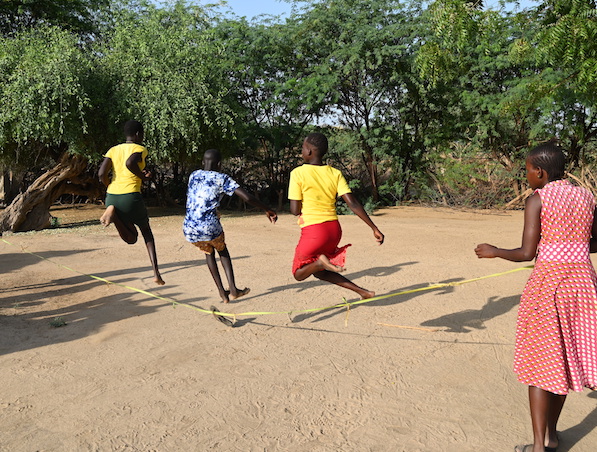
(567, 40)
(162, 67)
(77, 16)
(43, 79)
(275, 99)
(544, 63)
(360, 53)
(499, 88)
(566, 44)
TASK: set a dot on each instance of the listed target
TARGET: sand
(424, 371)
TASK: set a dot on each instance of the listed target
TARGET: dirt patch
(426, 370)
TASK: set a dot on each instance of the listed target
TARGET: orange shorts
(208, 247)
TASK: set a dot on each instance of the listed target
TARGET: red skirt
(318, 239)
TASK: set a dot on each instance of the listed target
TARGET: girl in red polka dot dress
(556, 330)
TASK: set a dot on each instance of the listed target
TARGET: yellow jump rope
(225, 317)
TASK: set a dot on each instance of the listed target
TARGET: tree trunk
(30, 211)
(371, 167)
(10, 185)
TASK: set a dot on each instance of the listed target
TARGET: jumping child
(556, 333)
(313, 190)
(202, 225)
(125, 206)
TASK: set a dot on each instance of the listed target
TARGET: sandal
(529, 448)
(221, 318)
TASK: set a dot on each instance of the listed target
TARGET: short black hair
(132, 127)
(213, 155)
(319, 141)
(551, 158)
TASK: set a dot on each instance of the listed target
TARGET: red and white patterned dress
(556, 331)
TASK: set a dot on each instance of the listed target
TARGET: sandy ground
(131, 372)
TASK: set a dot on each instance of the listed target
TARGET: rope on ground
(343, 304)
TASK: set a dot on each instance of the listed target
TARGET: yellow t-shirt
(317, 187)
(123, 181)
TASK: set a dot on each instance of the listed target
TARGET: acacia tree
(43, 80)
(360, 53)
(77, 16)
(566, 44)
(65, 102)
(537, 71)
(162, 67)
(499, 89)
(275, 100)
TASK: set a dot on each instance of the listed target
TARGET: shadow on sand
(571, 436)
(82, 318)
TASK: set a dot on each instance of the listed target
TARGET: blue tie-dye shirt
(206, 189)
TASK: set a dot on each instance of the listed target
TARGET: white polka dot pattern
(556, 336)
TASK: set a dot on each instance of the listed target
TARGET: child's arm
(530, 236)
(593, 243)
(247, 197)
(296, 207)
(132, 164)
(104, 171)
(353, 204)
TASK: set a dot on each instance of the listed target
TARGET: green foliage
(439, 104)
(526, 77)
(273, 97)
(368, 204)
(361, 54)
(43, 78)
(77, 16)
(162, 66)
(57, 322)
(568, 40)
(464, 175)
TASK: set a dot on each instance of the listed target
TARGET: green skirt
(129, 207)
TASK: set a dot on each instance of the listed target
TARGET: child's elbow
(528, 255)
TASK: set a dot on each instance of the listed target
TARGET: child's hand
(485, 250)
(146, 175)
(378, 236)
(273, 216)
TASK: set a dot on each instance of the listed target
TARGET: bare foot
(239, 293)
(106, 218)
(224, 296)
(366, 294)
(327, 265)
(159, 281)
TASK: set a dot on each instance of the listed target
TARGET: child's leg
(555, 408)
(127, 231)
(150, 244)
(545, 412)
(339, 280)
(235, 292)
(107, 217)
(215, 274)
(322, 263)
